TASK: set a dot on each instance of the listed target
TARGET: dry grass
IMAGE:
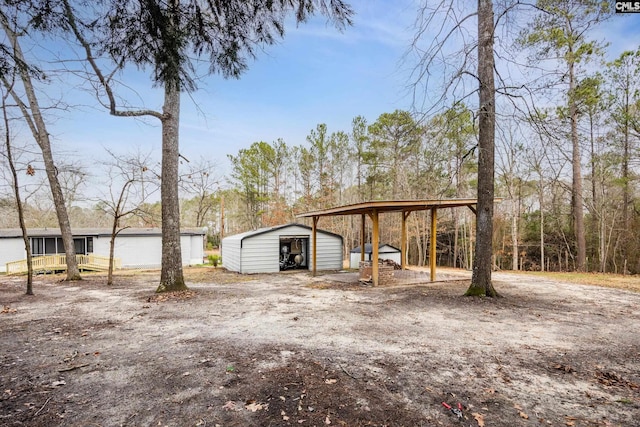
(618, 281)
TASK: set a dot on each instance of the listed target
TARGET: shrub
(214, 259)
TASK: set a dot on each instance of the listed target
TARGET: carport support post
(403, 244)
(433, 244)
(375, 242)
(362, 242)
(313, 244)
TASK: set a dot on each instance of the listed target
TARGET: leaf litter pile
(292, 350)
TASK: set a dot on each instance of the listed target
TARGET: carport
(374, 209)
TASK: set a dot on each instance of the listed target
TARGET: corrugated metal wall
(260, 253)
(329, 249)
(231, 253)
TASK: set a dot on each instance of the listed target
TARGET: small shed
(384, 252)
(279, 248)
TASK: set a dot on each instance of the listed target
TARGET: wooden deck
(58, 262)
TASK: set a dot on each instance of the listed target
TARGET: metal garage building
(283, 247)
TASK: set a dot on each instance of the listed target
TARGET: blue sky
(315, 75)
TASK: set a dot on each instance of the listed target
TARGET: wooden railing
(58, 262)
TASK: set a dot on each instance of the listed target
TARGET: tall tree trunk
(33, 116)
(481, 278)
(171, 276)
(578, 209)
(514, 240)
(16, 192)
(626, 199)
(456, 232)
(112, 251)
(598, 213)
(541, 200)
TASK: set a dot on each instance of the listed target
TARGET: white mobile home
(283, 247)
(136, 247)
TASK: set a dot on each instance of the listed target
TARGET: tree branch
(104, 81)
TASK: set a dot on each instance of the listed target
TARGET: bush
(214, 260)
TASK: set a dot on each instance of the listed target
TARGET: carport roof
(391, 206)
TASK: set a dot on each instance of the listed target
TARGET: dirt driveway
(292, 350)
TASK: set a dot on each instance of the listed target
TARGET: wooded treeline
(567, 159)
(397, 157)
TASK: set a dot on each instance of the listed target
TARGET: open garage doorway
(294, 252)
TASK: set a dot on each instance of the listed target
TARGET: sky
(316, 74)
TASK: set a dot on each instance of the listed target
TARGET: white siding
(11, 249)
(261, 253)
(329, 249)
(230, 252)
(134, 251)
(192, 249)
(141, 251)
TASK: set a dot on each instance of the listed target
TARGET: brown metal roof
(390, 206)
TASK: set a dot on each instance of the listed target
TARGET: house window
(79, 246)
(53, 245)
(37, 246)
(50, 246)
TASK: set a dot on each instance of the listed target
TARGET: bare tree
(131, 182)
(32, 114)
(481, 279)
(511, 149)
(201, 182)
(16, 191)
(432, 24)
(558, 32)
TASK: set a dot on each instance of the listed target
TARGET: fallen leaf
(518, 407)
(255, 406)
(330, 381)
(327, 421)
(57, 383)
(523, 415)
(479, 419)
(231, 406)
(565, 368)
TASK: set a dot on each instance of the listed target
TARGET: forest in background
(588, 105)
